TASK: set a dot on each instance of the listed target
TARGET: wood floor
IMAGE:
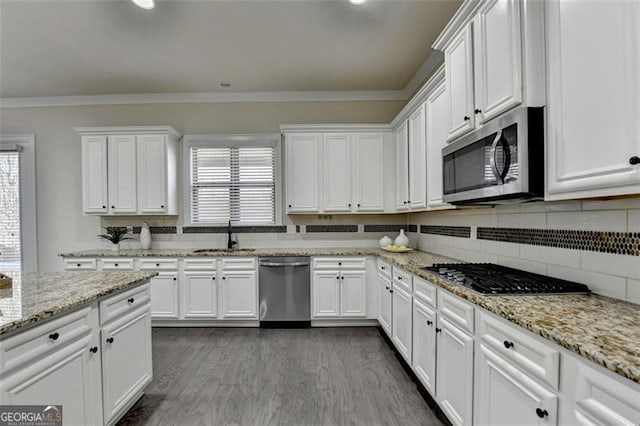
(252, 376)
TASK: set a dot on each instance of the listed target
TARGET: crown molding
(463, 15)
(419, 97)
(432, 62)
(127, 130)
(333, 128)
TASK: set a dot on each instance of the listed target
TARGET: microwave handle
(500, 175)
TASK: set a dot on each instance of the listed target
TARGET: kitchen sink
(222, 250)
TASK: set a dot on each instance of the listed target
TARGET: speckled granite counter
(601, 329)
(37, 297)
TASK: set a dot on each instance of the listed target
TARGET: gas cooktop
(487, 278)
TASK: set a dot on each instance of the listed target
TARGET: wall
(61, 225)
(538, 237)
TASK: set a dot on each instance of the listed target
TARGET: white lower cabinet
(199, 294)
(239, 294)
(424, 345)
(326, 294)
(454, 376)
(385, 302)
(339, 288)
(353, 296)
(401, 321)
(165, 295)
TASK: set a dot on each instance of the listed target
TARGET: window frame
(232, 140)
(28, 213)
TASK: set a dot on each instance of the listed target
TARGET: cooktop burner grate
(488, 278)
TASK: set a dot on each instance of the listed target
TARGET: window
(232, 178)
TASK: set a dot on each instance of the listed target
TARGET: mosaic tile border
(267, 229)
(387, 228)
(451, 231)
(332, 228)
(152, 229)
(624, 243)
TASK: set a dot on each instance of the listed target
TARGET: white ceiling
(98, 47)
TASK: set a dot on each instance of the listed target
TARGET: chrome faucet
(230, 242)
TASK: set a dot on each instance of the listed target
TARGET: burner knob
(459, 277)
(443, 271)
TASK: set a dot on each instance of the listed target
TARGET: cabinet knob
(508, 344)
(429, 322)
(477, 111)
(382, 267)
(349, 205)
(93, 350)
(104, 207)
(386, 287)
(78, 265)
(358, 204)
(54, 336)
(338, 278)
(542, 413)
(399, 278)
(130, 300)
(390, 290)
(162, 206)
(175, 279)
(157, 264)
(289, 205)
(342, 277)
(224, 278)
(113, 207)
(634, 160)
(339, 263)
(467, 118)
(438, 330)
(213, 278)
(115, 264)
(110, 340)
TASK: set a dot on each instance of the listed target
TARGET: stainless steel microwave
(498, 163)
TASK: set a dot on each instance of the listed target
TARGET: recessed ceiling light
(225, 84)
(144, 4)
(357, 2)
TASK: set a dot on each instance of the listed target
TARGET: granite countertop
(37, 297)
(599, 328)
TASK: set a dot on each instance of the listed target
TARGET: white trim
(463, 15)
(28, 219)
(333, 128)
(420, 97)
(432, 63)
(127, 130)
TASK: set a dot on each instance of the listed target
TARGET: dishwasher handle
(276, 264)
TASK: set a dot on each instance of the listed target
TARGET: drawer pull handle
(429, 322)
(110, 340)
(130, 300)
(54, 336)
(438, 330)
(93, 350)
(508, 344)
(339, 263)
(634, 160)
(542, 413)
(115, 264)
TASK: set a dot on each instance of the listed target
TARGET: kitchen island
(80, 340)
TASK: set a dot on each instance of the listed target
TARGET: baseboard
(285, 324)
(344, 323)
(421, 389)
(205, 323)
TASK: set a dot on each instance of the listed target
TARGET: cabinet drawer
(80, 264)
(339, 263)
(117, 264)
(204, 264)
(158, 264)
(425, 292)
(535, 357)
(456, 310)
(123, 303)
(240, 263)
(46, 339)
(384, 268)
(403, 278)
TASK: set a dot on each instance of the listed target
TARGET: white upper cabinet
(437, 114)
(402, 166)
(593, 130)
(497, 54)
(303, 172)
(336, 149)
(94, 175)
(368, 172)
(458, 59)
(417, 159)
(129, 170)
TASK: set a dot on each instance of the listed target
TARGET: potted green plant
(115, 235)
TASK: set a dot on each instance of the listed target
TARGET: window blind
(232, 183)
(10, 242)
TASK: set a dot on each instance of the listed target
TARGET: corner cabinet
(129, 170)
(337, 169)
(593, 131)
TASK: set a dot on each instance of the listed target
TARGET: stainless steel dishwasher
(285, 292)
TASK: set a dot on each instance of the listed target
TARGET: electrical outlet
(129, 229)
(474, 232)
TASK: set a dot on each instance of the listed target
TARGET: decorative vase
(145, 237)
(402, 239)
(385, 241)
(115, 248)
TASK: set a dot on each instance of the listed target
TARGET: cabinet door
(437, 117)
(401, 322)
(165, 295)
(402, 166)
(505, 395)
(199, 294)
(424, 345)
(126, 361)
(337, 172)
(94, 174)
(498, 58)
(239, 294)
(123, 193)
(152, 174)
(593, 131)
(303, 172)
(454, 375)
(326, 294)
(417, 160)
(368, 160)
(458, 68)
(353, 293)
(384, 303)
